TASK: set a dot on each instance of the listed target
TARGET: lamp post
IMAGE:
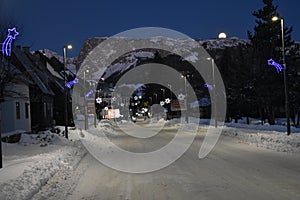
(66, 91)
(93, 84)
(85, 102)
(185, 75)
(286, 92)
(170, 86)
(214, 91)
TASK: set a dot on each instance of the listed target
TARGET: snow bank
(267, 136)
(35, 159)
(267, 139)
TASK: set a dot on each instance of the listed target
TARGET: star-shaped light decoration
(270, 61)
(6, 45)
(162, 103)
(181, 97)
(99, 100)
(12, 33)
(106, 108)
(168, 100)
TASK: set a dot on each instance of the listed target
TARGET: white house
(15, 110)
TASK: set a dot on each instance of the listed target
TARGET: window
(51, 110)
(26, 110)
(18, 110)
(45, 110)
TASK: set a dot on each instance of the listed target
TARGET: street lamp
(214, 91)
(185, 75)
(93, 83)
(65, 83)
(85, 102)
(287, 111)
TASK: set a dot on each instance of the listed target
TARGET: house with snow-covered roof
(15, 105)
(40, 93)
(54, 69)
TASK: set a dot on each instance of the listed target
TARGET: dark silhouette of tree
(266, 42)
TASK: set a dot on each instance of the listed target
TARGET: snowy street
(233, 170)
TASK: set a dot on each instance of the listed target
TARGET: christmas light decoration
(278, 67)
(6, 45)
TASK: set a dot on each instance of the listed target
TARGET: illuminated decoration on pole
(6, 46)
(162, 103)
(168, 100)
(71, 83)
(278, 67)
(210, 87)
(99, 100)
(89, 93)
(181, 96)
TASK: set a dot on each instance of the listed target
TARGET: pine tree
(266, 42)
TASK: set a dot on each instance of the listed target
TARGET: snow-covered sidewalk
(29, 164)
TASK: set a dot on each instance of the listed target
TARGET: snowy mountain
(71, 62)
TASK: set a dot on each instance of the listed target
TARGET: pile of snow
(274, 140)
(29, 164)
(272, 137)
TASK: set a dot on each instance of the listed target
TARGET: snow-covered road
(233, 170)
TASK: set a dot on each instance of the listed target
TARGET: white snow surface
(29, 164)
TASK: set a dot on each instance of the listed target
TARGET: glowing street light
(65, 84)
(287, 110)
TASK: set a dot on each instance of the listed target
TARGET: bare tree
(9, 75)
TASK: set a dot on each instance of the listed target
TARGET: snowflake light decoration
(99, 100)
(168, 100)
(181, 97)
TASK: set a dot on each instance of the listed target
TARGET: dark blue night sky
(53, 23)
